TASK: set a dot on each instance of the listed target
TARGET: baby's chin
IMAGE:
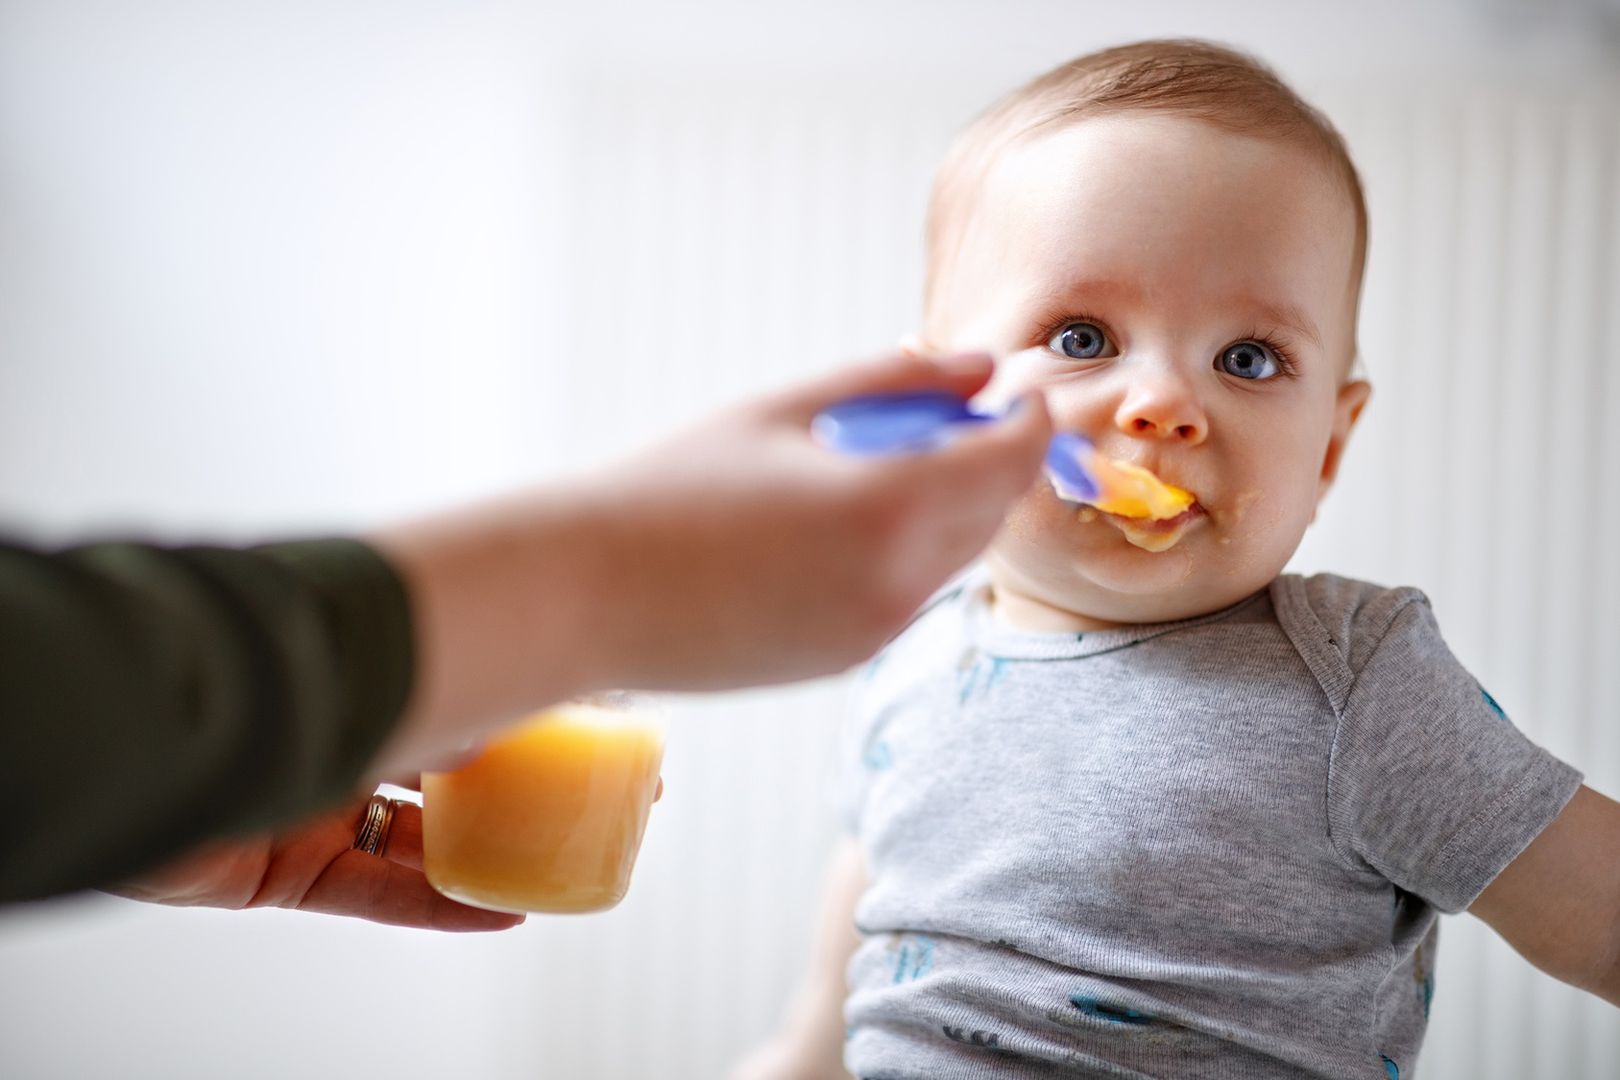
(1123, 584)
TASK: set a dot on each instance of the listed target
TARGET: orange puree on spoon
(1134, 492)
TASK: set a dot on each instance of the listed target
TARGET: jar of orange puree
(549, 816)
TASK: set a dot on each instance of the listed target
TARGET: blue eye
(1080, 341)
(1249, 360)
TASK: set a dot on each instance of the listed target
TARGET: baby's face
(1184, 297)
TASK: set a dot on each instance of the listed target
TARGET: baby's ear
(1347, 409)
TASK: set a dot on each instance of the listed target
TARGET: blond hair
(1195, 79)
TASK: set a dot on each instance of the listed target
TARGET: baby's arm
(810, 1043)
(1558, 903)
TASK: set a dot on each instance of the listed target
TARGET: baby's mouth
(1152, 514)
(1156, 535)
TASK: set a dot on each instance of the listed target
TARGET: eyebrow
(1287, 316)
(1114, 291)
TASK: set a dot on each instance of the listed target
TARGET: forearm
(501, 604)
(836, 939)
(812, 1031)
(1558, 903)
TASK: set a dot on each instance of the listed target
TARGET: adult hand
(314, 868)
(743, 552)
(736, 554)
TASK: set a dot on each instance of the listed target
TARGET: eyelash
(1284, 353)
(1286, 366)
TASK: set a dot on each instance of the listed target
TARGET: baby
(1127, 800)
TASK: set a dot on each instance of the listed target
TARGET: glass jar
(550, 815)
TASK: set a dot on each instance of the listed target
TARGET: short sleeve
(1430, 783)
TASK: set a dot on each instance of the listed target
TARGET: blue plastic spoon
(926, 420)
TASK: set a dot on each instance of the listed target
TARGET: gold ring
(372, 836)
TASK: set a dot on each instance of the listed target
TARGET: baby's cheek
(1259, 526)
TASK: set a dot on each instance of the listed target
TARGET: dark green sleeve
(154, 697)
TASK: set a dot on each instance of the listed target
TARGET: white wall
(271, 267)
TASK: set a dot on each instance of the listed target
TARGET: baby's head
(1168, 244)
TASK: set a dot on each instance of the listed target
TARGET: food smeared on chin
(1156, 535)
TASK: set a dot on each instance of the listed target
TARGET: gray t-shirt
(1209, 848)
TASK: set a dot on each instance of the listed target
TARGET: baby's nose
(1164, 409)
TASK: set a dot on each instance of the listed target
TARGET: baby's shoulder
(1347, 618)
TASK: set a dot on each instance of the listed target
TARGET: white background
(268, 268)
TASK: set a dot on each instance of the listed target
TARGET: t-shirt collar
(995, 638)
